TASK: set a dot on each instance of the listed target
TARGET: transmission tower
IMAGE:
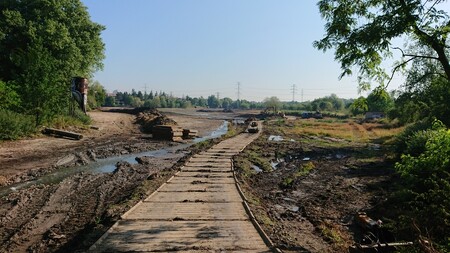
(238, 91)
(293, 92)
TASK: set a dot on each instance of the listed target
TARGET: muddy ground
(301, 211)
(68, 215)
(308, 201)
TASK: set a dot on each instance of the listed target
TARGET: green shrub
(401, 142)
(14, 125)
(427, 179)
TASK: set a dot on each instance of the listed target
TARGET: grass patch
(64, 121)
(265, 220)
(304, 170)
(348, 130)
(331, 234)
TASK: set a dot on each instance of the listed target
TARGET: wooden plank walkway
(198, 210)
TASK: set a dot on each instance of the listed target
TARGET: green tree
(379, 101)
(110, 101)
(163, 101)
(272, 103)
(213, 102)
(227, 102)
(42, 45)
(429, 101)
(362, 31)
(359, 106)
(136, 102)
(96, 95)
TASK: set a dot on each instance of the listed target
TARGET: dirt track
(67, 215)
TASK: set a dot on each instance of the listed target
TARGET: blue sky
(205, 47)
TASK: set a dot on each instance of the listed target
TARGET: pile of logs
(173, 133)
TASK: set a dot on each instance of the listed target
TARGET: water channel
(108, 165)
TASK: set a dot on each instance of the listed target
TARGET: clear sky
(205, 47)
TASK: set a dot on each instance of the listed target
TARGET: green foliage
(379, 101)
(78, 119)
(359, 106)
(14, 125)
(402, 140)
(427, 175)
(110, 101)
(272, 103)
(328, 103)
(96, 95)
(8, 96)
(430, 99)
(42, 45)
(361, 33)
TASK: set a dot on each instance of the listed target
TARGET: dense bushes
(425, 168)
(14, 125)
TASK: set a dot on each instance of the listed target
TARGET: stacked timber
(189, 133)
(173, 133)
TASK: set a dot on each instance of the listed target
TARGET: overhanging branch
(416, 56)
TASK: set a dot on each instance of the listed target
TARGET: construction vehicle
(253, 127)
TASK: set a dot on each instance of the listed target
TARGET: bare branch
(397, 67)
(416, 56)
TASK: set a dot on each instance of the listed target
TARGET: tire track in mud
(46, 218)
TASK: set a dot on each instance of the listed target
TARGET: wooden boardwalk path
(198, 210)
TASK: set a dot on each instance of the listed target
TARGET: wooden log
(382, 245)
(63, 133)
(178, 139)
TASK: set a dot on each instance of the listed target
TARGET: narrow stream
(108, 165)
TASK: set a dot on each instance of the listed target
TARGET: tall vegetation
(43, 44)
(361, 32)
(425, 168)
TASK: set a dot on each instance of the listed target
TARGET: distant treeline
(164, 100)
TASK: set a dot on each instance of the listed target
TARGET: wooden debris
(53, 131)
(381, 245)
(189, 134)
(173, 133)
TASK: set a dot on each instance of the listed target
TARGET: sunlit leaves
(43, 43)
(361, 32)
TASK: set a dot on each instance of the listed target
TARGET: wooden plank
(182, 236)
(211, 197)
(189, 211)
